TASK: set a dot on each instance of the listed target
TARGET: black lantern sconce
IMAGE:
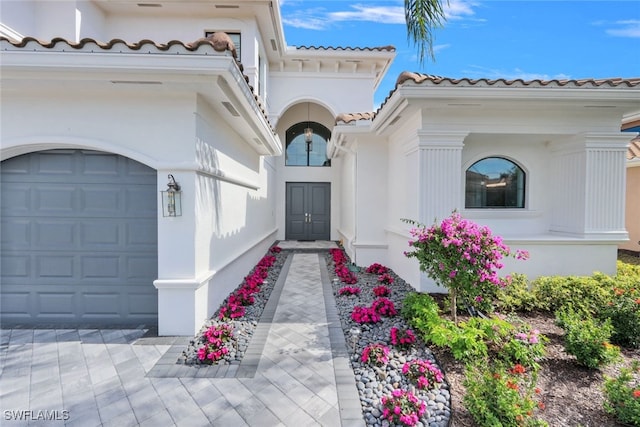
(172, 199)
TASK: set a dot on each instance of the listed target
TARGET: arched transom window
(494, 182)
(307, 145)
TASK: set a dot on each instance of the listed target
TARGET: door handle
(307, 218)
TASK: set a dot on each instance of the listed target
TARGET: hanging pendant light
(308, 132)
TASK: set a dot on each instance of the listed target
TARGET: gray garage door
(79, 240)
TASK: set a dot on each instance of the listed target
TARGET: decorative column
(440, 188)
(589, 186)
(605, 181)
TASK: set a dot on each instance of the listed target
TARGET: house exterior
(558, 143)
(106, 103)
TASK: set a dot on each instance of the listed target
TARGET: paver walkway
(99, 377)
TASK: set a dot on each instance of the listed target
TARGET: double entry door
(308, 211)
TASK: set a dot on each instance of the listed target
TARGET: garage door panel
(140, 201)
(56, 303)
(101, 304)
(141, 234)
(140, 305)
(138, 267)
(100, 164)
(15, 266)
(59, 234)
(79, 239)
(20, 196)
(100, 201)
(96, 235)
(17, 304)
(55, 200)
(16, 232)
(55, 266)
(57, 162)
(102, 267)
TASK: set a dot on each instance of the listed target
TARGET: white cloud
(440, 47)
(379, 14)
(627, 28)
(308, 23)
(318, 19)
(458, 9)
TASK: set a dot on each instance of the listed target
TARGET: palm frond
(422, 17)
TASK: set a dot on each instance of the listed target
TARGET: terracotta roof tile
(352, 117)
(218, 43)
(427, 79)
(388, 48)
(634, 149)
(438, 80)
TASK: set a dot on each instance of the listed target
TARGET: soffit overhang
(188, 68)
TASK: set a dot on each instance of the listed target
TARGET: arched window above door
(307, 145)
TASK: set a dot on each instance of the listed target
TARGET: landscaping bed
(567, 394)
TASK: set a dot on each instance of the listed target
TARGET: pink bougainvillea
(361, 314)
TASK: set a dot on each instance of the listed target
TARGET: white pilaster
(440, 189)
(605, 182)
(589, 186)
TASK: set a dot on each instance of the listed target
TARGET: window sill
(500, 213)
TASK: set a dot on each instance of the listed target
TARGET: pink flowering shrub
(341, 269)
(376, 268)
(361, 314)
(422, 373)
(375, 355)
(349, 290)
(462, 256)
(275, 249)
(385, 279)
(234, 308)
(402, 408)
(402, 337)
(216, 338)
(384, 307)
(381, 291)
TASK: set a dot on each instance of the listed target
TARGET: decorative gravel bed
(373, 382)
(243, 327)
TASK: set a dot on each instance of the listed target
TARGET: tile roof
(217, 42)
(438, 80)
(387, 48)
(427, 79)
(352, 117)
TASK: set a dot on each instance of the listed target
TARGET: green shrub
(526, 346)
(586, 295)
(622, 396)
(497, 396)
(628, 270)
(421, 311)
(587, 338)
(516, 296)
(624, 313)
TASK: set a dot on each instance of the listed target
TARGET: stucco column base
(181, 306)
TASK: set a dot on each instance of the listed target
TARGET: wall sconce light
(172, 199)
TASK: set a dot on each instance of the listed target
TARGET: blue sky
(483, 39)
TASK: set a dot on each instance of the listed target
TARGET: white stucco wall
(226, 225)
